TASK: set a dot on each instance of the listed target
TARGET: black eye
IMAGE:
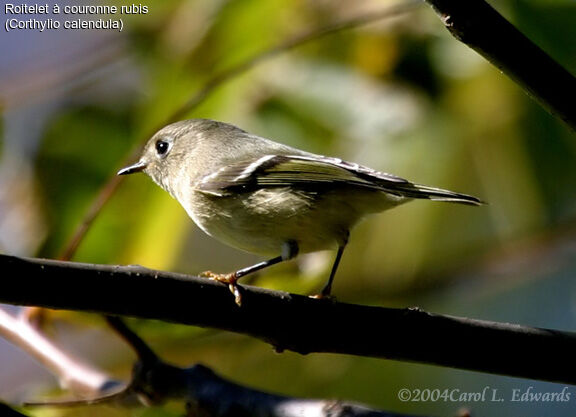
(162, 147)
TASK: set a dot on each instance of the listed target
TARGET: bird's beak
(131, 169)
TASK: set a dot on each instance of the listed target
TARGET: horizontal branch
(289, 321)
(482, 28)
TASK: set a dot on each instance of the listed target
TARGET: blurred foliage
(85, 142)
(399, 95)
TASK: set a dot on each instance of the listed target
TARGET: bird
(268, 198)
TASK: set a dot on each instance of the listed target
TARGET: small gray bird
(268, 198)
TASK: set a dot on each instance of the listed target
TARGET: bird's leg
(326, 291)
(289, 251)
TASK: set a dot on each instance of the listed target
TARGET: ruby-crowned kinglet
(267, 198)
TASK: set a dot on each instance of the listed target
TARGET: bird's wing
(301, 172)
(317, 173)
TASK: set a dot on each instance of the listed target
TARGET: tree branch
(478, 25)
(80, 378)
(207, 394)
(289, 321)
(154, 382)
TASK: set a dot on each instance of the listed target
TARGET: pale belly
(262, 221)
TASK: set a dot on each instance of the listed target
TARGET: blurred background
(399, 95)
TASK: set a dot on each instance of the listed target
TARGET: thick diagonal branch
(482, 28)
(293, 322)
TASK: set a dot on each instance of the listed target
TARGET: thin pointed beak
(131, 169)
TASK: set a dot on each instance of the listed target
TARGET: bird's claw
(323, 296)
(228, 279)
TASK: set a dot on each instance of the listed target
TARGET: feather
(317, 173)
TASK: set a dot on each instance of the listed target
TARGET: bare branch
(80, 378)
(155, 382)
(478, 25)
(208, 394)
(292, 322)
(141, 348)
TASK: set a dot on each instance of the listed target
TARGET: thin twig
(141, 348)
(73, 375)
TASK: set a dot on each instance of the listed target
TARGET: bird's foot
(323, 296)
(228, 279)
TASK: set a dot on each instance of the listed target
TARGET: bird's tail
(411, 190)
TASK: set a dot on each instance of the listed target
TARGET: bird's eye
(162, 147)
